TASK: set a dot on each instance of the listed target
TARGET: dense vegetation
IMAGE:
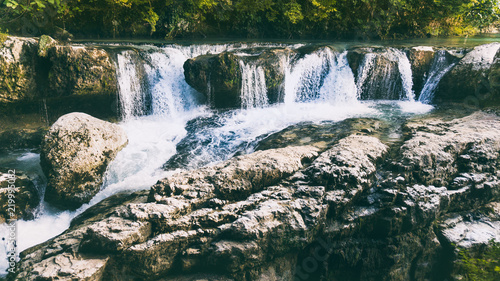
(250, 18)
(482, 267)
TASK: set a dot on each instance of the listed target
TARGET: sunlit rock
(75, 154)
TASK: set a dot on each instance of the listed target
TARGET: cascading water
(164, 119)
(385, 75)
(132, 99)
(404, 67)
(253, 86)
(440, 66)
(320, 76)
(339, 85)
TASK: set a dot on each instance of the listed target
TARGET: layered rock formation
(357, 209)
(43, 73)
(74, 156)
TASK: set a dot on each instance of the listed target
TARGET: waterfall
(152, 81)
(339, 85)
(440, 66)
(129, 86)
(404, 67)
(321, 75)
(304, 80)
(170, 94)
(385, 75)
(253, 86)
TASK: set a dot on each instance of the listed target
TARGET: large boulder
(19, 196)
(475, 79)
(17, 69)
(75, 154)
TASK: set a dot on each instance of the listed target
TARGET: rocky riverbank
(356, 208)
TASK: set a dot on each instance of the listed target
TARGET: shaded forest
(317, 19)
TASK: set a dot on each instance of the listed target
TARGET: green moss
(483, 266)
(3, 38)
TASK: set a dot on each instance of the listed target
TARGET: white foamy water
(132, 101)
(440, 66)
(321, 75)
(253, 86)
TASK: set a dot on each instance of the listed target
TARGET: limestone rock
(473, 80)
(438, 150)
(59, 258)
(349, 164)
(238, 177)
(17, 69)
(79, 70)
(75, 154)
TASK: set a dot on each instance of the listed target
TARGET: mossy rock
(218, 77)
(80, 71)
(17, 71)
(25, 196)
(44, 44)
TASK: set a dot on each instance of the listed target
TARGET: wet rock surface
(219, 77)
(23, 194)
(74, 156)
(17, 68)
(474, 79)
(358, 209)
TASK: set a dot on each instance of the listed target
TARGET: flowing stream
(170, 128)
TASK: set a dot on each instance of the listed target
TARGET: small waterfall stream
(385, 75)
(440, 66)
(320, 76)
(132, 100)
(253, 88)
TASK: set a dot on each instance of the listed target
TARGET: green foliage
(263, 18)
(482, 267)
(3, 38)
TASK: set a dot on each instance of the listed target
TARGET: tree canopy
(250, 18)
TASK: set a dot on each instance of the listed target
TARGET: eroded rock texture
(358, 209)
(74, 156)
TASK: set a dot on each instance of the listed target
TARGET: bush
(484, 266)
